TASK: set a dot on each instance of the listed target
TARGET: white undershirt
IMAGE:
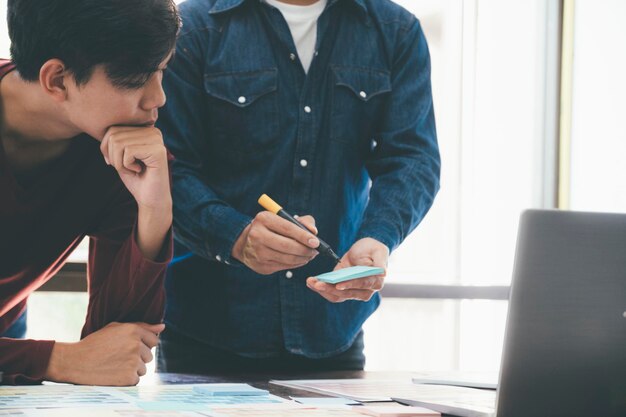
(302, 21)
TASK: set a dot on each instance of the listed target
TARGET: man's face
(98, 104)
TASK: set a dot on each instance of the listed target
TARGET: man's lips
(150, 122)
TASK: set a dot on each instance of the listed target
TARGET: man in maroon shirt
(80, 156)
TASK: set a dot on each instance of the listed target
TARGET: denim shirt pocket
(243, 109)
(358, 99)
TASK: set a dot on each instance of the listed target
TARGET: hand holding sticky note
(359, 276)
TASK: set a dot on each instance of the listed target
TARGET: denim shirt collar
(221, 6)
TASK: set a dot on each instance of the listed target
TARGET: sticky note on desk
(346, 274)
(234, 390)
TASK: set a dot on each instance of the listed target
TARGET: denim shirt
(352, 142)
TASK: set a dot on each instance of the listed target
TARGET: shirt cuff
(161, 261)
(32, 369)
(228, 225)
(381, 232)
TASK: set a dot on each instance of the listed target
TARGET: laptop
(565, 342)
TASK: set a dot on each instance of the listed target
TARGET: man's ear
(53, 78)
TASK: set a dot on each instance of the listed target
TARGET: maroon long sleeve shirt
(44, 218)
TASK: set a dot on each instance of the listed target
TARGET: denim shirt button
(289, 274)
(242, 100)
(304, 163)
(307, 109)
(292, 56)
(219, 258)
(363, 94)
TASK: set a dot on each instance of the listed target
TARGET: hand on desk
(365, 252)
(270, 244)
(115, 355)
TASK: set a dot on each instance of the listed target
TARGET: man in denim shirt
(326, 106)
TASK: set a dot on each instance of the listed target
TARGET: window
(495, 87)
(598, 147)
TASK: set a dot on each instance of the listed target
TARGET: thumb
(344, 263)
(380, 256)
(153, 328)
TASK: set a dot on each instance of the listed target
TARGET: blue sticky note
(228, 390)
(347, 274)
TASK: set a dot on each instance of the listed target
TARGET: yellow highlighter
(270, 205)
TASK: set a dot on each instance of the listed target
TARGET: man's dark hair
(130, 38)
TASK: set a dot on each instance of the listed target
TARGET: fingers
(330, 293)
(369, 283)
(273, 244)
(148, 334)
(136, 158)
(309, 222)
(280, 243)
(145, 353)
(149, 339)
(282, 227)
(282, 259)
(344, 263)
(141, 369)
(118, 138)
(154, 328)
(357, 289)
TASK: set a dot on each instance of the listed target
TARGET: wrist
(237, 251)
(156, 210)
(158, 218)
(376, 241)
(59, 365)
(152, 228)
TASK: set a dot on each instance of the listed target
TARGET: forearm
(153, 226)
(207, 225)
(400, 198)
(58, 369)
(125, 286)
(24, 361)
(405, 165)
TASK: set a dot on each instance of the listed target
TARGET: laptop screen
(565, 343)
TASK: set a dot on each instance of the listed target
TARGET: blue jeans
(17, 329)
(178, 353)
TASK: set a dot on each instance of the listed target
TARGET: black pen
(270, 205)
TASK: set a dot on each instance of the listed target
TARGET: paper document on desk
(61, 396)
(482, 380)
(183, 397)
(285, 410)
(362, 390)
(325, 401)
(95, 412)
(458, 401)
